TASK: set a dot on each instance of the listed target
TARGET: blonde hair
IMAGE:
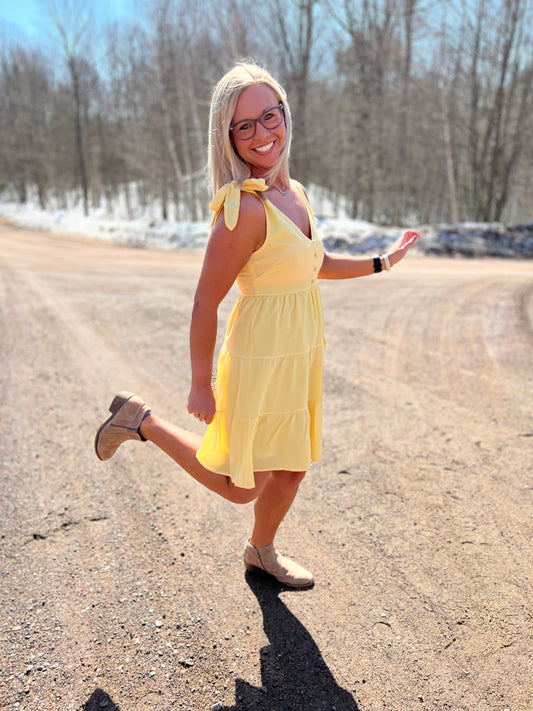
(224, 163)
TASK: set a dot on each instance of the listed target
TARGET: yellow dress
(269, 375)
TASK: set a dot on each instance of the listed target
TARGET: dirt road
(121, 583)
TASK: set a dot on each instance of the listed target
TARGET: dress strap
(229, 198)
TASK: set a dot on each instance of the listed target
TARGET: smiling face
(263, 150)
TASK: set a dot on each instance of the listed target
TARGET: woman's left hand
(402, 245)
(343, 266)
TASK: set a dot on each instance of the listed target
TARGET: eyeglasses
(270, 119)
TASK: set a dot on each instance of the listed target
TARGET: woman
(264, 422)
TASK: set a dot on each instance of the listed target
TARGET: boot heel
(118, 401)
(252, 568)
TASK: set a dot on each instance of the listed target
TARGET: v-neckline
(306, 237)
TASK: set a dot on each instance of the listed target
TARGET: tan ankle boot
(128, 412)
(283, 569)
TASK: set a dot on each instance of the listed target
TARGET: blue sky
(29, 17)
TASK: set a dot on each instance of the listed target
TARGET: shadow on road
(100, 701)
(294, 675)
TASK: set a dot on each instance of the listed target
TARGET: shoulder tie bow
(229, 196)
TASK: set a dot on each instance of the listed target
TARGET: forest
(403, 110)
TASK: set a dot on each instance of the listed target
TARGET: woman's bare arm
(227, 253)
(338, 266)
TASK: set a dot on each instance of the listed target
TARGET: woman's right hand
(202, 403)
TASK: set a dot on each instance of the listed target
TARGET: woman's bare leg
(182, 446)
(271, 505)
(273, 493)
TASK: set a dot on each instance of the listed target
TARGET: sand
(121, 583)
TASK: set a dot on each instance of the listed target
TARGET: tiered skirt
(268, 387)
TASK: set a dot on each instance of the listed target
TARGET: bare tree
(292, 34)
(445, 90)
(72, 20)
(371, 28)
(25, 101)
(499, 68)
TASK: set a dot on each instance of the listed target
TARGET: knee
(242, 496)
(288, 480)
